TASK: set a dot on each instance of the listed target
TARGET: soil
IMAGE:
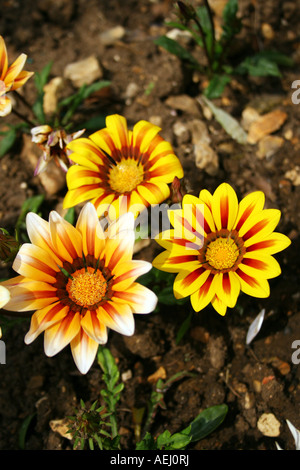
(251, 380)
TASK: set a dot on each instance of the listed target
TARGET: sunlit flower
(11, 77)
(120, 170)
(53, 143)
(220, 247)
(81, 282)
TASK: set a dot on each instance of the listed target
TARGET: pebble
(84, 71)
(183, 103)
(112, 35)
(269, 145)
(294, 175)
(205, 157)
(265, 125)
(51, 94)
(158, 374)
(269, 425)
(61, 426)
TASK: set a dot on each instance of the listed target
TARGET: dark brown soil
(253, 380)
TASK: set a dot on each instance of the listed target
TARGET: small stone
(269, 425)
(265, 125)
(158, 374)
(269, 145)
(131, 92)
(199, 333)
(206, 158)
(61, 426)
(267, 31)
(257, 385)
(183, 103)
(51, 94)
(84, 71)
(127, 375)
(181, 132)
(294, 175)
(249, 115)
(112, 35)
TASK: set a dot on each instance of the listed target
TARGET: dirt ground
(146, 83)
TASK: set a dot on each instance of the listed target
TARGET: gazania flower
(121, 170)
(81, 282)
(53, 143)
(11, 77)
(220, 247)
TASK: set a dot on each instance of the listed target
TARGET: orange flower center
(222, 253)
(87, 287)
(126, 176)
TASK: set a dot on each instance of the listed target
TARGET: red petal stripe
(191, 277)
(249, 279)
(261, 245)
(182, 259)
(224, 209)
(255, 263)
(247, 212)
(255, 229)
(226, 283)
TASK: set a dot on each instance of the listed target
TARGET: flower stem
(23, 118)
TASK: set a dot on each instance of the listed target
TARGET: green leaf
(41, 78)
(204, 20)
(184, 328)
(258, 67)
(7, 141)
(231, 23)
(23, 430)
(70, 215)
(216, 86)
(206, 422)
(176, 49)
(147, 443)
(230, 125)
(96, 122)
(175, 441)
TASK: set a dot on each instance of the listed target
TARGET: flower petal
(202, 297)
(31, 295)
(38, 231)
(94, 327)
(84, 350)
(228, 288)
(186, 282)
(14, 69)
(93, 237)
(45, 318)
(3, 59)
(127, 272)
(4, 296)
(218, 305)
(272, 244)
(139, 298)
(224, 206)
(117, 317)
(259, 226)
(61, 333)
(256, 266)
(65, 238)
(250, 204)
(35, 263)
(252, 286)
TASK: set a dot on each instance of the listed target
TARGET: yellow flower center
(87, 288)
(126, 176)
(222, 253)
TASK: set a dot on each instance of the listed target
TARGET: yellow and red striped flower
(120, 170)
(80, 280)
(220, 247)
(11, 77)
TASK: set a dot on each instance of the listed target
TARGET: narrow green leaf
(7, 141)
(23, 430)
(184, 328)
(176, 49)
(207, 421)
(216, 86)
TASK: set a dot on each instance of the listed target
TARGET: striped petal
(139, 298)
(272, 244)
(65, 238)
(30, 295)
(143, 133)
(93, 237)
(4, 296)
(117, 317)
(228, 288)
(202, 297)
(94, 327)
(186, 283)
(21, 79)
(127, 272)
(261, 266)
(154, 193)
(86, 153)
(14, 69)
(252, 286)
(35, 263)
(38, 231)
(259, 226)
(117, 126)
(79, 176)
(84, 350)
(61, 333)
(173, 263)
(224, 206)
(218, 305)
(250, 204)
(45, 318)
(3, 59)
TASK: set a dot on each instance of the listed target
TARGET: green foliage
(31, 204)
(199, 23)
(40, 80)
